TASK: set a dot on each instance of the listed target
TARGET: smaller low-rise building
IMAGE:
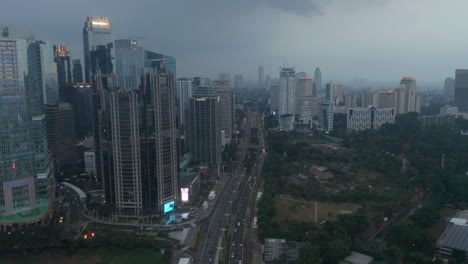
(279, 248)
(357, 258)
(369, 118)
(454, 238)
(320, 173)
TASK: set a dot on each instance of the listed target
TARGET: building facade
(334, 92)
(97, 35)
(461, 90)
(369, 118)
(26, 172)
(77, 71)
(184, 93)
(238, 81)
(287, 98)
(449, 87)
(318, 78)
(64, 71)
(128, 63)
(406, 97)
(326, 115)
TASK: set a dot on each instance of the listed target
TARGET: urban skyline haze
(378, 40)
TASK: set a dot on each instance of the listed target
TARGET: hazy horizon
(375, 40)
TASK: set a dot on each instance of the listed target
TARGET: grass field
(89, 256)
(293, 210)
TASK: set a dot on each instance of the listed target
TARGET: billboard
(169, 206)
(184, 194)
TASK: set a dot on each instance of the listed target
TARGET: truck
(205, 205)
(212, 195)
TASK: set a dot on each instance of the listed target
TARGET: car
(232, 254)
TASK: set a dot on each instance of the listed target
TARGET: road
(218, 225)
(239, 244)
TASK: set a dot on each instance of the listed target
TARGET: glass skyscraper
(26, 173)
(97, 35)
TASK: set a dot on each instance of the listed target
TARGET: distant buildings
(305, 87)
(406, 97)
(261, 77)
(461, 90)
(225, 77)
(449, 87)
(26, 174)
(334, 92)
(369, 118)
(238, 81)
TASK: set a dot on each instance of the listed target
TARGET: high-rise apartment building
(318, 78)
(238, 81)
(64, 71)
(97, 41)
(461, 90)
(406, 96)
(26, 174)
(334, 92)
(351, 100)
(369, 118)
(204, 131)
(386, 99)
(261, 77)
(287, 98)
(77, 71)
(449, 87)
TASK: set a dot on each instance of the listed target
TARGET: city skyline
(351, 42)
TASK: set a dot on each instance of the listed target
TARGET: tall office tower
(184, 93)
(326, 115)
(386, 99)
(26, 174)
(47, 68)
(304, 87)
(61, 134)
(79, 95)
(261, 77)
(267, 82)
(274, 95)
(128, 63)
(449, 87)
(407, 98)
(287, 98)
(136, 144)
(97, 35)
(64, 71)
(351, 100)
(204, 131)
(223, 91)
(77, 71)
(224, 76)
(238, 81)
(334, 92)
(318, 78)
(461, 90)
(369, 118)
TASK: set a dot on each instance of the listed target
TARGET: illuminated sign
(169, 206)
(100, 23)
(13, 165)
(184, 194)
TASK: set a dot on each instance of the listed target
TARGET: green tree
(337, 250)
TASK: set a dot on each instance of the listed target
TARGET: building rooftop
(455, 237)
(387, 91)
(357, 258)
(408, 79)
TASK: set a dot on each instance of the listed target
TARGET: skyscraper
(64, 71)
(77, 71)
(287, 97)
(261, 77)
(461, 90)
(184, 93)
(204, 131)
(128, 63)
(304, 87)
(26, 174)
(318, 78)
(136, 144)
(238, 81)
(326, 115)
(97, 35)
(274, 95)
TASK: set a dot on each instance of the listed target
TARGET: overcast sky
(373, 39)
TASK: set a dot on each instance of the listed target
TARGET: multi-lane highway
(239, 244)
(233, 205)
